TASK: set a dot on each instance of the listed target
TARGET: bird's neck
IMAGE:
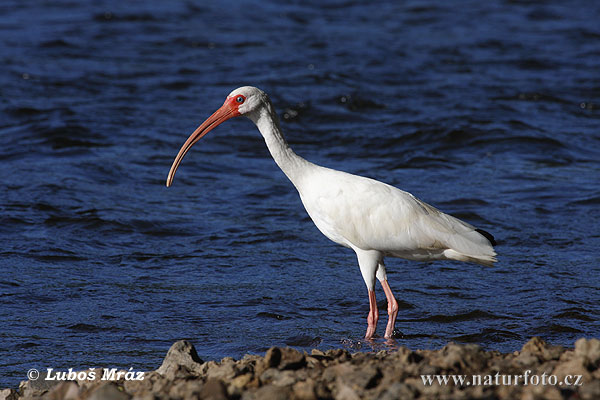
(267, 122)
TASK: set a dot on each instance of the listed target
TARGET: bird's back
(363, 213)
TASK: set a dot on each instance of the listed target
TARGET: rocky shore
(537, 371)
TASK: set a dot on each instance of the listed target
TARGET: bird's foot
(389, 330)
(392, 309)
(370, 332)
(388, 334)
(373, 316)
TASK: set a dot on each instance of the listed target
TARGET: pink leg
(373, 315)
(392, 309)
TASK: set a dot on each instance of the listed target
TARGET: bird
(374, 219)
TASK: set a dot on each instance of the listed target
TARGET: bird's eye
(240, 99)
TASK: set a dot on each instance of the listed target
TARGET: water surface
(487, 110)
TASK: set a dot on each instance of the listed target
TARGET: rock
(454, 357)
(535, 345)
(284, 358)
(345, 392)
(249, 363)
(339, 355)
(108, 391)
(526, 359)
(546, 392)
(538, 348)
(350, 379)
(572, 367)
(428, 369)
(407, 356)
(145, 386)
(357, 377)
(8, 394)
(181, 359)
(285, 373)
(322, 390)
(269, 392)
(225, 371)
(291, 359)
(590, 391)
(505, 392)
(213, 389)
(272, 357)
(271, 360)
(589, 351)
(317, 357)
(332, 372)
(278, 378)
(63, 391)
(37, 387)
(281, 358)
(161, 384)
(316, 362)
(181, 389)
(365, 378)
(149, 396)
(238, 384)
(304, 390)
(360, 358)
(399, 391)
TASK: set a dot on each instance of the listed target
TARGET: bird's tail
(476, 246)
(488, 260)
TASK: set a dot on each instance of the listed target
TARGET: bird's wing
(368, 214)
(452, 233)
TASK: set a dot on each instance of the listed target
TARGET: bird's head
(246, 100)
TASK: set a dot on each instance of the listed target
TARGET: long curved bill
(224, 113)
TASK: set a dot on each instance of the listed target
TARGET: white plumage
(372, 218)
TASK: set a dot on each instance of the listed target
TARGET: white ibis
(372, 218)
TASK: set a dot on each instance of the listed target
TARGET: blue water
(489, 110)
